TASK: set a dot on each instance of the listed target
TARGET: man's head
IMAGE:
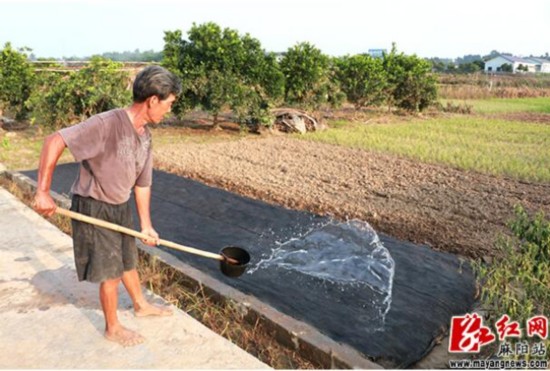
(156, 89)
(155, 81)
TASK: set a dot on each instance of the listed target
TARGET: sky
(427, 28)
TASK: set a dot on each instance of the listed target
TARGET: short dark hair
(155, 80)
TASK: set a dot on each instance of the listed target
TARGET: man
(114, 151)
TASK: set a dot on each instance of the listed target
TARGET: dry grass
(479, 92)
(226, 319)
(483, 86)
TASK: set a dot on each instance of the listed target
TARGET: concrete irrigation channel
(341, 317)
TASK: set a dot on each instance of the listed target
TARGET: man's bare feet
(124, 336)
(146, 309)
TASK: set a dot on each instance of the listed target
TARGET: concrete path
(49, 320)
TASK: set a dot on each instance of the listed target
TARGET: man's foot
(147, 309)
(124, 336)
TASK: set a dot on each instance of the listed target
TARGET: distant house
(541, 64)
(377, 53)
(518, 64)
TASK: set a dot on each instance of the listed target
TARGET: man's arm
(143, 205)
(53, 147)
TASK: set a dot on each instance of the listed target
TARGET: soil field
(452, 210)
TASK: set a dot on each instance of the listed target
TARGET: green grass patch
(541, 105)
(499, 147)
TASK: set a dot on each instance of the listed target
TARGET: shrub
(17, 80)
(363, 79)
(306, 70)
(63, 100)
(411, 85)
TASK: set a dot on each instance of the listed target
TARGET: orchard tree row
(220, 68)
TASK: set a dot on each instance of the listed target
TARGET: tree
(411, 85)
(470, 58)
(492, 54)
(173, 43)
(470, 67)
(135, 56)
(480, 63)
(506, 67)
(172, 60)
(17, 80)
(222, 68)
(523, 68)
(441, 64)
(306, 71)
(362, 78)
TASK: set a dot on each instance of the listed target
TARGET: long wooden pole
(143, 236)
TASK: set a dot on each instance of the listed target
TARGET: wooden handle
(131, 232)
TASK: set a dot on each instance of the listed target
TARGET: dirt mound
(448, 209)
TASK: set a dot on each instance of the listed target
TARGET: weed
(455, 107)
(518, 282)
(225, 318)
(6, 143)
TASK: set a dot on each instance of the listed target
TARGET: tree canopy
(223, 68)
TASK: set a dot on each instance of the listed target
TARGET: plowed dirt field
(457, 211)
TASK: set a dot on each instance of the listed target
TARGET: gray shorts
(101, 254)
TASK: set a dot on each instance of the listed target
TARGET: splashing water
(347, 255)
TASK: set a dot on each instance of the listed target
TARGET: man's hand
(51, 151)
(43, 203)
(154, 240)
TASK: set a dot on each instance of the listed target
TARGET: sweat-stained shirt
(113, 157)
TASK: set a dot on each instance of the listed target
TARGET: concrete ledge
(305, 339)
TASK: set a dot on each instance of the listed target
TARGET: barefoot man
(114, 151)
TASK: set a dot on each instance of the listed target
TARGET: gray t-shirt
(113, 157)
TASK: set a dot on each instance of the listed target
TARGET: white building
(377, 53)
(518, 64)
(541, 64)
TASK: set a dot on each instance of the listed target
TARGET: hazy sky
(428, 28)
